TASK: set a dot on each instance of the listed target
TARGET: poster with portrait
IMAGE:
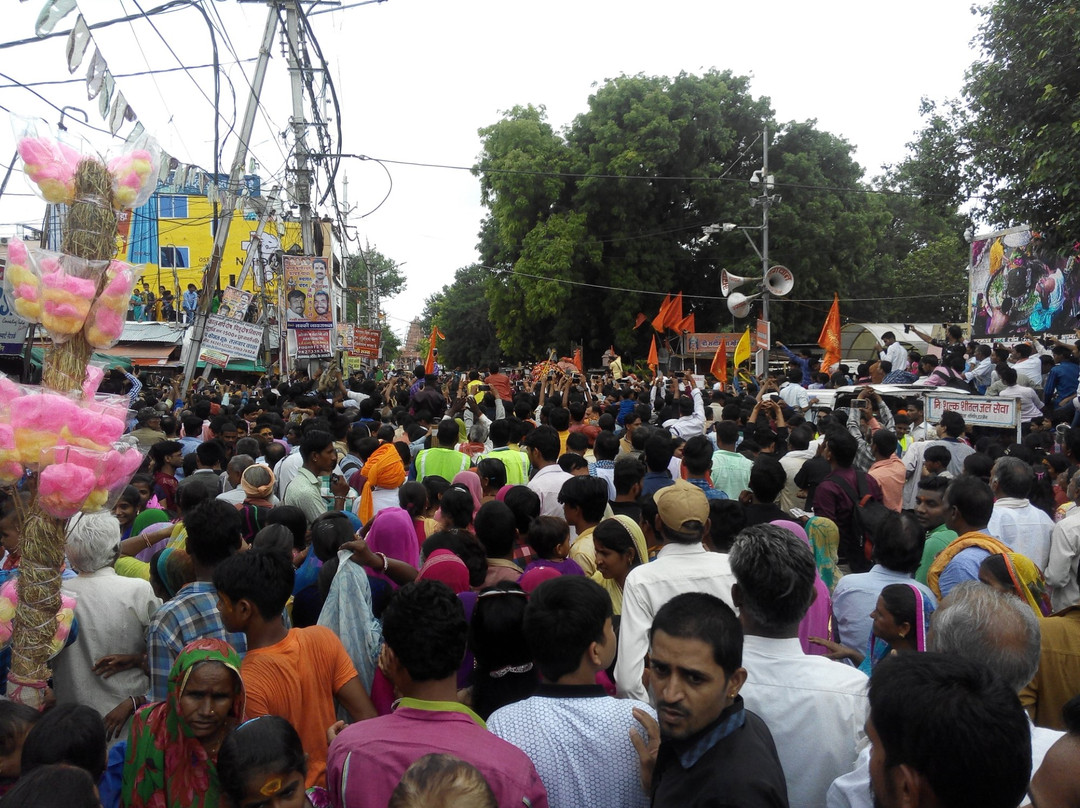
(1018, 283)
(234, 303)
(307, 290)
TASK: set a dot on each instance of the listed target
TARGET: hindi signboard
(235, 338)
(215, 358)
(313, 343)
(367, 342)
(978, 410)
(762, 335)
(706, 343)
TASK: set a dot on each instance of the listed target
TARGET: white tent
(857, 340)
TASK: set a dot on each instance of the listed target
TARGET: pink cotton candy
(117, 468)
(9, 391)
(62, 489)
(10, 471)
(7, 438)
(93, 378)
(28, 292)
(84, 288)
(17, 253)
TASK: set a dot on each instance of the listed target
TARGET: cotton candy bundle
(90, 428)
(38, 422)
(9, 391)
(134, 177)
(63, 488)
(66, 298)
(23, 282)
(9, 599)
(117, 467)
(91, 381)
(11, 469)
(105, 325)
(51, 166)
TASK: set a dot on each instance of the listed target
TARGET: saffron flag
(718, 368)
(829, 339)
(653, 361)
(578, 363)
(687, 324)
(674, 315)
(661, 318)
(742, 350)
(429, 364)
(640, 320)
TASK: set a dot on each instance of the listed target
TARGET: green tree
(460, 311)
(391, 345)
(360, 270)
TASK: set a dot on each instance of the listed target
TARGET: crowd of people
(488, 589)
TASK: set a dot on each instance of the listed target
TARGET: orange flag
(718, 368)
(829, 339)
(674, 315)
(429, 364)
(661, 318)
(640, 319)
(653, 361)
(687, 324)
(577, 361)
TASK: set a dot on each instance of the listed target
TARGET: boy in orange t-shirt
(293, 673)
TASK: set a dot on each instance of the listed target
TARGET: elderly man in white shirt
(1016, 521)
(815, 708)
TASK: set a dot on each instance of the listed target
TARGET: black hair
(898, 542)
(210, 453)
(767, 478)
(613, 535)
(798, 438)
(293, 518)
(465, 546)
(564, 617)
(590, 494)
(457, 505)
(213, 531)
(885, 442)
(495, 525)
(704, 617)
(996, 566)
(697, 455)
(15, 720)
(58, 785)
(267, 744)
(545, 534)
(900, 603)
(424, 625)
(658, 452)
(559, 418)
(606, 446)
(525, 503)
(314, 442)
(727, 431)
(972, 498)
(68, 733)
(494, 470)
(843, 447)
(131, 495)
(544, 440)
(273, 537)
(726, 518)
(160, 450)
(571, 462)
(436, 486)
(628, 472)
(499, 432)
(977, 465)
(413, 498)
(265, 577)
(955, 723)
(938, 454)
(499, 643)
(447, 433)
(577, 442)
(192, 425)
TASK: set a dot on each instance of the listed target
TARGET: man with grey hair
(815, 708)
(104, 668)
(982, 625)
(256, 483)
(1016, 521)
(234, 470)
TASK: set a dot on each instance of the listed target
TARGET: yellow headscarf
(609, 584)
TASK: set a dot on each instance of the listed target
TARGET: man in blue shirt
(658, 454)
(697, 460)
(1061, 383)
(190, 302)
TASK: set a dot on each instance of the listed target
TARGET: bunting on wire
(718, 368)
(829, 339)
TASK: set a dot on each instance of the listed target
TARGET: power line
(138, 74)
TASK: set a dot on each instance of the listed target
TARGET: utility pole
(221, 235)
(762, 361)
(298, 121)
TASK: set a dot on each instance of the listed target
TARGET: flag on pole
(829, 339)
(687, 324)
(674, 315)
(718, 368)
(429, 365)
(640, 319)
(661, 317)
(578, 363)
(653, 361)
(742, 350)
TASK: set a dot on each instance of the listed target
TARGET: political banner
(707, 342)
(353, 362)
(234, 303)
(313, 342)
(236, 338)
(346, 336)
(367, 342)
(307, 291)
(215, 358)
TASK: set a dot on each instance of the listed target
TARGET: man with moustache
(707, 749)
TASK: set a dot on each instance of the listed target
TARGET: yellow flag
(742, 350)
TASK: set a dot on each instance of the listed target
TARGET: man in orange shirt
(888, 469)
(293, 673)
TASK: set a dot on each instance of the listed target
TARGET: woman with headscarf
(103, 669)
(1017, 575)
(391, 535)
(172, 749)
(471, 481)
(825, 540)
(383, 474)
(815, 622)
(620, 546)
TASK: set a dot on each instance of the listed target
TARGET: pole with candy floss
(22, 282)
(105, 325)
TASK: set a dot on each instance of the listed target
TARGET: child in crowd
(549, 538)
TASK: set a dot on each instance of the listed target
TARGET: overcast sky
(417, 78)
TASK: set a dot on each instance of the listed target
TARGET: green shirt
(304, 492)
(936, 540)
(439, 462)
(516, 462)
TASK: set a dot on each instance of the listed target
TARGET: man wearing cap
(149, 430)
(683, 565)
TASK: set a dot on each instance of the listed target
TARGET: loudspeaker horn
(779, 280)
(739, 304)
(729, 282)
